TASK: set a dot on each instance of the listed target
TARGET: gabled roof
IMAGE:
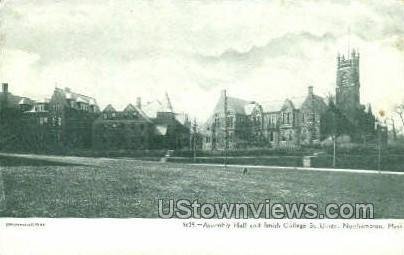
(249, 108)
(132, 108)
(69, 94)
(182, 118)
(109, 108)
(273, 106)
(298, 101)
(152, 108)
(234, 104)
(317, 102)
(277, 105)
(11, 99)
(25, 101)
(156, 106)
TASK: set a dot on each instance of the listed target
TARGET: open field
(99, 187)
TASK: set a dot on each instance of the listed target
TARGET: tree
(334, 123)
(399, 110)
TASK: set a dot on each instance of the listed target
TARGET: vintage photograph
(282, 109)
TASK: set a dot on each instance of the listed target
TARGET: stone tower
(347, 90)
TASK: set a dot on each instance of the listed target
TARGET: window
(142, 127)
(59, 121)
(283, 137)
(105, 116)
(43, 120)
(230, 122)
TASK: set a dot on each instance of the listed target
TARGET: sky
(265, 51)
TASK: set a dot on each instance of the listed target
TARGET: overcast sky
(258, 50)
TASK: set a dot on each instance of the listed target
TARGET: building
(69, 120)
(251, 125)
(295, 121)
(237, 127)
(10, 117)
(154, 125)
(62, 122)
(359, 122)
(129, 129)
(348, 84)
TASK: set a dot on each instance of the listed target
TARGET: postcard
(202, 127)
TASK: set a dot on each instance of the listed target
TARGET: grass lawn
(86, 187)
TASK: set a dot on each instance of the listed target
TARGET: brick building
(62, 122)
(10, 117)
(249, 124)
(154, 125)
(128, 129)
(295, 121)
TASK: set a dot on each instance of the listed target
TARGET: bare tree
(399, 110)
(393, 125)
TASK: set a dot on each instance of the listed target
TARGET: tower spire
(167, 103)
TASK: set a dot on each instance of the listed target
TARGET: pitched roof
(69, 94)
(109, 108)
(182, 118)
(298, 101)
(273, 106)
(277, 105)
(11, 99)
(318, 103)
(25, 101)
(249, 108)
(152, 108)
(234, 104)
(132, 108)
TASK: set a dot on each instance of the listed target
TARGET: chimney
(139, 102)
(5, 88)
(310, 90)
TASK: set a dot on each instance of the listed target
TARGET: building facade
(129, 129)
(295, 121)
(359, 121)
(252, 125)
(154, 125)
